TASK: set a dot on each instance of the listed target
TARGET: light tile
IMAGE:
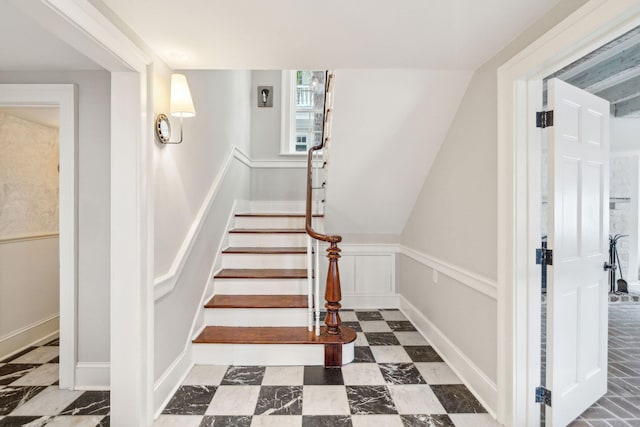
(392, 315)
(348, 316)
(277, 421)
(50, 401)
(437, 373)
(43, 375)
(361, 340)
(362, 374)
(374, 326)
(474, 420)
(205, 375)
(75, 421)
(234, 400)
(38, 355)
(324, 400)
(283, 375)
(376, 421)
(390, 354)
(410, 338)
(178, 421)
(415, 399)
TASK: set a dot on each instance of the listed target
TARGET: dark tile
(319, 375)
(243, 375)
(89, 403)
(381, 338)
(370, 399)
(190, 400)
(353, 325)
(56, 360)
(225, 421)
(422, 353)
(326, 421)
(369, 315)
(15, 356)
(456, 398)
(11, 372)
(401, 373)
(401, 325)
(23, 421)
(629, 404)
(55, 342)
(425, 420)
(105, 422)
(279, 400)
(596, 413)
(13, 396)
(363, 355)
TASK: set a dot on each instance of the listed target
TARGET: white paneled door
(578, 229)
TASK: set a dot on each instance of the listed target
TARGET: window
(302, 110)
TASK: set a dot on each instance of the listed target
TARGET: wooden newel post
(333, 294)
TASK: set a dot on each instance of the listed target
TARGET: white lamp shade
(181, 102)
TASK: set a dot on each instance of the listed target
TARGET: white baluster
(317, 258)
(310, 283)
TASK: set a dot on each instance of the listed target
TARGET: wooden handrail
(333, 293)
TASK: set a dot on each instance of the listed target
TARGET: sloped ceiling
(387, 128)
(27, 46)
(290, 34)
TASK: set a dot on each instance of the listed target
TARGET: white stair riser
(267, 240)
(265, 354)
(260, 286)
(256, 316)
(268, 222)
(264, 261)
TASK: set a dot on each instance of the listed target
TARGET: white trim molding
(165, 284)
(475, 281)
(485, 390)
(93, 375)
(27, 336)
(29, 237)
(171, 379)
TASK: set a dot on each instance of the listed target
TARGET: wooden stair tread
(266, 250)
(258, 301)
(274, 215)
(268, 230)
(261, 273)
(271, 335)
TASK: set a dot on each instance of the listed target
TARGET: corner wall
(454, 220)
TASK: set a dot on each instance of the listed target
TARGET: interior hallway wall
(94, 94)
(454, 220)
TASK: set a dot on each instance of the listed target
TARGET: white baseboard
(365, 301)
(171, 380)
(29, 335)
(93, 375)
(483, 388)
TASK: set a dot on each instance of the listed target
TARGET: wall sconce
(181, 106)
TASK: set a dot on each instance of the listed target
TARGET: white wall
(93, 203)
(185, 174)
(387, 128)
(454, 220)
(625, 134)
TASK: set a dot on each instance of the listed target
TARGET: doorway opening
(608, 73)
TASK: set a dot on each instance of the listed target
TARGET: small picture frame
(265, 96)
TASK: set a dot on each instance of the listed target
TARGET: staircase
(259, 312)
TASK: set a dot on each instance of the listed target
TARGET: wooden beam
(611, 71)
(622, 91)
(628, 108)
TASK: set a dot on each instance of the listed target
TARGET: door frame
(519, 157)
(62, 96)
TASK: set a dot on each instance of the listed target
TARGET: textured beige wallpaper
(28, 178)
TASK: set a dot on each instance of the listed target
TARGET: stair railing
(316, 182)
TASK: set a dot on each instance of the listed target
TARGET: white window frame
(287, 122)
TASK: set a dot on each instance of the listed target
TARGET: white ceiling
(27, 46)
(288, 34)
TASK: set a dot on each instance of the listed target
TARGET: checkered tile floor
(397, 379)
(29, 393)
